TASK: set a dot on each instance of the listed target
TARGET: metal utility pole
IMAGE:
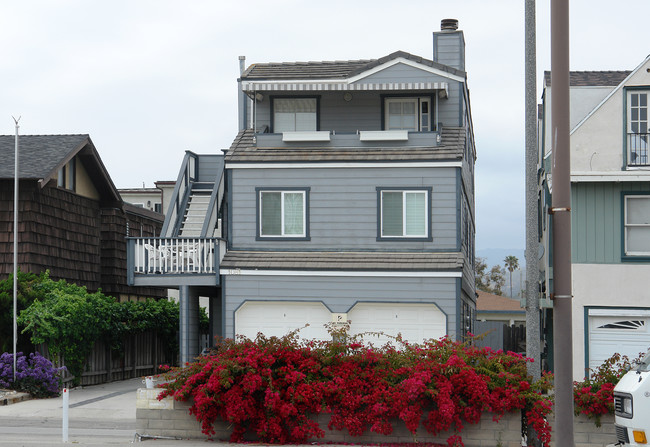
(561, 212)
(16, 245)
(532, 270)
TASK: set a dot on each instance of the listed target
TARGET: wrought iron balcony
(637, 149)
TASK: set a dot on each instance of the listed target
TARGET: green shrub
(70, 320)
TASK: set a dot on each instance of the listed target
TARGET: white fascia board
(614, 176)
(613, 92)
(401, 60)
(343, 273)
(316, 165)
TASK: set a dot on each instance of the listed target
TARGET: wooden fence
(141, 356)
(498, 335)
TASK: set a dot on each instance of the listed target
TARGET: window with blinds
(412, 113)
(282, 213)
(404, 213)
(294, 114)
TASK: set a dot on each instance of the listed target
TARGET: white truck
(632, 405)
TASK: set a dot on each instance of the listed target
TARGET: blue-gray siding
(449, 49)
(343, 206)
(209, 167)
(339, 294)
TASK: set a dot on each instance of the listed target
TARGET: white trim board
(345, 273)
(317, 165)
(401, 60)
(618, 312)
(636, 175)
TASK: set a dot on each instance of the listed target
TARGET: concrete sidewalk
(98, 415)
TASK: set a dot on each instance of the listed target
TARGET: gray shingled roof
(330, 69)
(38, 155)
(592, 78)
(343, 261)
(451, 149)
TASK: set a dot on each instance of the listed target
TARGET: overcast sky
(148, 80)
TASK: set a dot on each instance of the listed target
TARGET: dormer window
(409, 113)
(637, 127)
(295, 114)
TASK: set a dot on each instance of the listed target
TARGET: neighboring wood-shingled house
(71, 219)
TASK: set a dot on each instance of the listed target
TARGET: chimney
(449, 45)
(448, 25)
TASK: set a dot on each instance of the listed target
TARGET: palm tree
(512, 264)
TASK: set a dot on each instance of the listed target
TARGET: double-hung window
(637, 127)
(637, 225)
(404, 213)
(283, 213)
(409, 113)
(295, 114)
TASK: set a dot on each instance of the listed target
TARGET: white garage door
(625, 332)
(281, 317)
(415, 321)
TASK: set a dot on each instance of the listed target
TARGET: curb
(12, 397)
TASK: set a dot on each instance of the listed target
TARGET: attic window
(295, 114)
(66, 176)
(408, 113)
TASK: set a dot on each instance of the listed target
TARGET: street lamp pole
(16, 245)
(561, 212)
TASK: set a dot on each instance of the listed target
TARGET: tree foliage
(70, 320)
(511, 263)
(24, 298)
(490, 281)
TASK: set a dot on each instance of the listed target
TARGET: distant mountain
(495, 256)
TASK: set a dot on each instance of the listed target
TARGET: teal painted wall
(596, 220)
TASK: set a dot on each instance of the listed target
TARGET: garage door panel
(627, 335)
(415, 321)
(279, 318)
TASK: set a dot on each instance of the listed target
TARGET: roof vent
(448, 24)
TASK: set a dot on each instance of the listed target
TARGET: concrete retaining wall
(586, 434)
(171, 418)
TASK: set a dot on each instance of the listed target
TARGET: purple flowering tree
(34, 374)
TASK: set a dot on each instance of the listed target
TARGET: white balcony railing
(190, 255)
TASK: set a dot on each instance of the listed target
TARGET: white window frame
(404, 192)
(627, 226)
(637, 141)
(283, 193)
(418, 101)
(630, 121)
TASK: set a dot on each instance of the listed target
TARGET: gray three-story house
(347, 195)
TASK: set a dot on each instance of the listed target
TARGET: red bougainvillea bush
(594, 396)
(272, 387)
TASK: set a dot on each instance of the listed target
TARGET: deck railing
(189, 255)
